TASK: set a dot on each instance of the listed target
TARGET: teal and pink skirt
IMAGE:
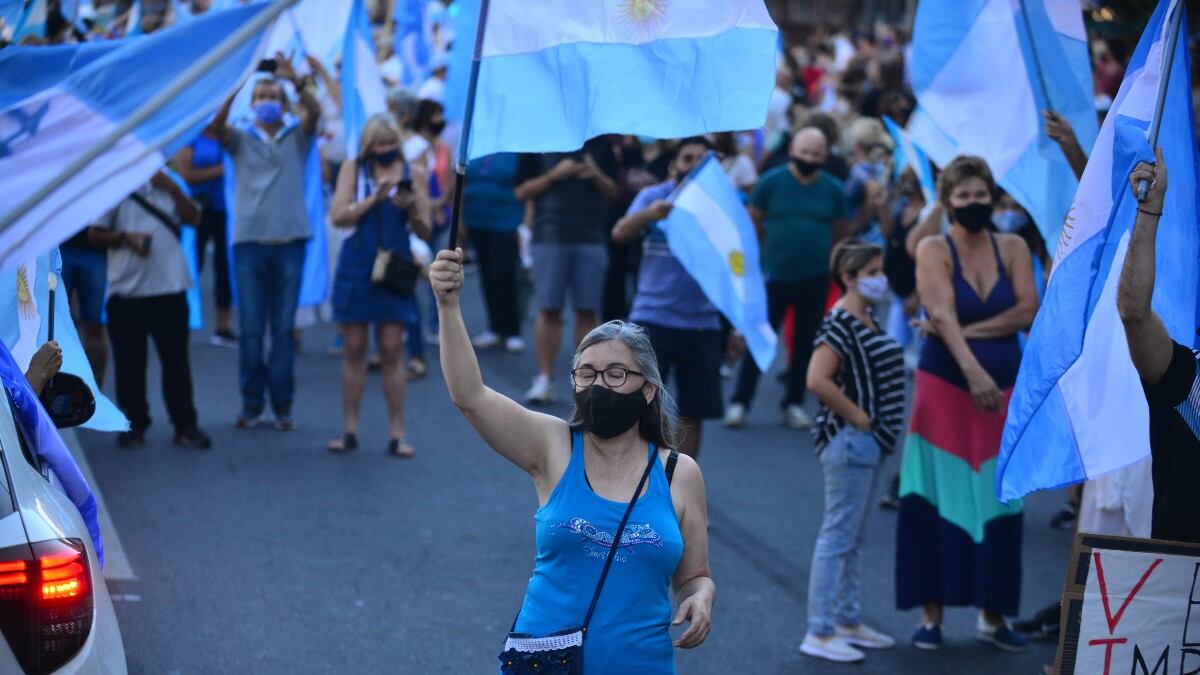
(956, 544)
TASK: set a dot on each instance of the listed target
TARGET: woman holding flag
(585, 475)
(956, 544)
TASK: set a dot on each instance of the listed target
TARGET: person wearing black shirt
(1168, 371)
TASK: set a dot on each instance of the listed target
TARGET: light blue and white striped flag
(363, 94)
(70, 153)
(558, 72)
(712, 236)
(32, 22)
(26, 71)
(1078, 410)
(410, 43)
(905, 154)
(983, 72)
(25, 324)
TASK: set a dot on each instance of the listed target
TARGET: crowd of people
(870, 286)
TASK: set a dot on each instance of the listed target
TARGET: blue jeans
(850, 463)
(268, 288)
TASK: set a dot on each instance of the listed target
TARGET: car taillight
(45, 602)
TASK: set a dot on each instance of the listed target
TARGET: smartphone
(267, 66)
(405, 185)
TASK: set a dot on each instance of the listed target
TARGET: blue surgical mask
(268, 112)
(1009, 221)
(873, 288)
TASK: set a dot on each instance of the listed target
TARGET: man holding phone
(147, 283)
(270, 233)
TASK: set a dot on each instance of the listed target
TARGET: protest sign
(1131, 606)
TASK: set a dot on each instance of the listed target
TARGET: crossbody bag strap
(616, 542)
(158, 215)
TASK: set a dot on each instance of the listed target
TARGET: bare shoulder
(1012, 247)
(933, 249)
(687, 474)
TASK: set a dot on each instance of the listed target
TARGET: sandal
(398, 447)
(347, 443)
(417, 368)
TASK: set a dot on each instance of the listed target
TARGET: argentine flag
(71, 152)
(983, 72)
(45, 440)
(1078, 409)
(906, 154)
(362, 85)
(555, 73)
(710, 233)
(25, 323)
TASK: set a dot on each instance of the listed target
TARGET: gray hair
(658, 421)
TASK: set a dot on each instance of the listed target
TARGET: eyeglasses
(613, 376)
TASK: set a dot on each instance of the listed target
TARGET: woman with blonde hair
(383, 198)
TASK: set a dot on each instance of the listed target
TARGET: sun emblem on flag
(24, 294)
(1064, 239)
(737, 263)
(643, 17)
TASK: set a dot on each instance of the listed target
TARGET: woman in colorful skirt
(957, 545)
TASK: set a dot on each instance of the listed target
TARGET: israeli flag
(906, 154)
(983, 72)
(70, 153)
(45, 440)
(25, 327)
(710, 233)
(1078, 410)
(362, 85)
(558, 72)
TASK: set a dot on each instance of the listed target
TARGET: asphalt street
(268, 554)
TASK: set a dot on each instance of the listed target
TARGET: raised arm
(219, 127)
(1060, 131)
(634, 224)
(1019, 265)
(310, 109)
(522, 436)
(1149, 344)
(934, 285)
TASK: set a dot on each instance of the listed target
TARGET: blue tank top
(630, 630)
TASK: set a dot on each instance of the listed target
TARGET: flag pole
(143, 112)
(1163, 80)
(464, 139)
(1037, 62)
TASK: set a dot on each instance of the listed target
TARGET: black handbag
(561, 652)
(391, 269)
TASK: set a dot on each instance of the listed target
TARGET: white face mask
(873, 288)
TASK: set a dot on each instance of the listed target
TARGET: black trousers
(620, 279)
(807, 300)
(212, 228)
(499, 260)
(163, 318)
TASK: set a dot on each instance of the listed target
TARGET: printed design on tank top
(596, 542)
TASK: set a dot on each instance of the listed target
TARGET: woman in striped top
(857, 372)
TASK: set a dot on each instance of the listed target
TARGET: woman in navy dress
(383, 198)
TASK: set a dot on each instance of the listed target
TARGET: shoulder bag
(392, 270)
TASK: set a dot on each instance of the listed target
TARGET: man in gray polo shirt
(270, 231)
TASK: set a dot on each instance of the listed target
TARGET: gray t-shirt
(268, 193)
(164, 271)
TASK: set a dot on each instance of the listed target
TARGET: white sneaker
(735, 416)
(794, 417)
(514, 345)
(486, 340)
(833, 649)
(541, 391)
(864, 636)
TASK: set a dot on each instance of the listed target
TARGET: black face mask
(436, 128)
(973, 217)
(805, 168)
(607, 413)
(385, 158)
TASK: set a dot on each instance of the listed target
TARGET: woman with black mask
(956, 544)
(617, 447)
(383, 198)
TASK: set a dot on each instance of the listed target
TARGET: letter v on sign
(1113, 620)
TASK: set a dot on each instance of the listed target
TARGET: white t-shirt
(740, 170)
(432, 89)
(414, 147)
(164, 271)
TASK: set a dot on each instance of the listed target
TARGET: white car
(55, 612)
